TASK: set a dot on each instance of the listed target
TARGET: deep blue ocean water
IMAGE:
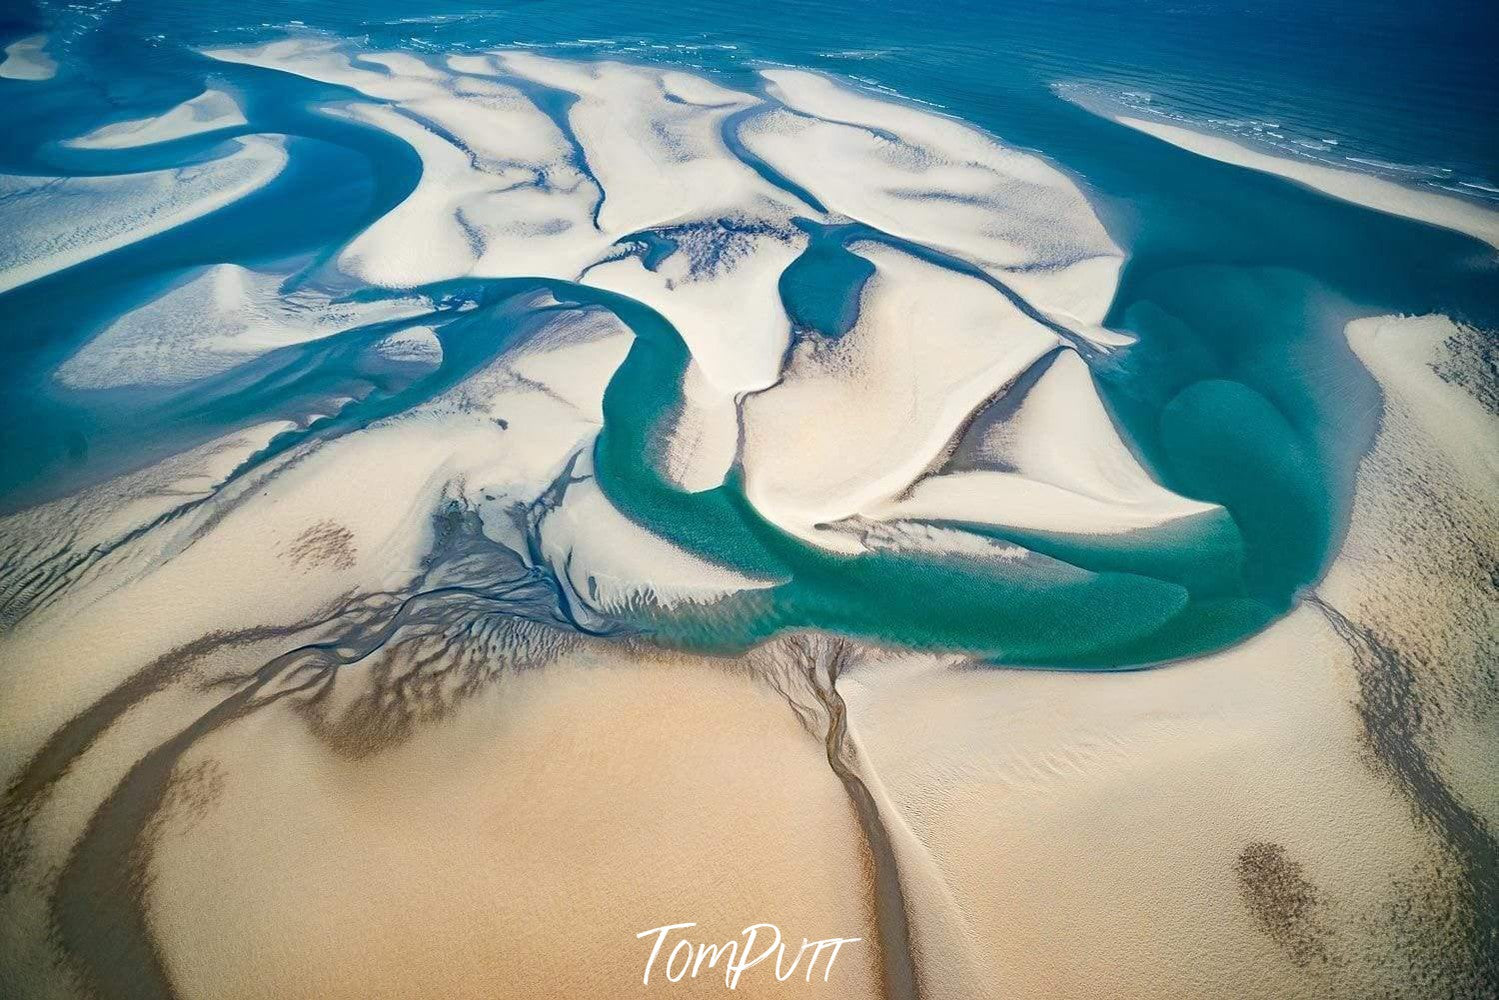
(1240, 391)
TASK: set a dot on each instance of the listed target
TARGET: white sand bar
(56, 222)
(1347, 185)
(209, 111)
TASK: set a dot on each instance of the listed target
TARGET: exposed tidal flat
(466, 506)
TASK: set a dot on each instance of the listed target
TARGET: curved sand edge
(1303, 815)
(1347, 185)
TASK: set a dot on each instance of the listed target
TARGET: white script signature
(687, 959)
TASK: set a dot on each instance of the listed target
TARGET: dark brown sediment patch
(325, 544)
(1465, 961)
(423, 677)
(1284, 904)
(194, 790)
(99, 905)
(1470, 361)
(27, 792)
(99, 899)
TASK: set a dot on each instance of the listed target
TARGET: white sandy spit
(1348, 185)
(208, 112)
(221, 316)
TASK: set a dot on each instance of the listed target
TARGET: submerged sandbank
(27, 59)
